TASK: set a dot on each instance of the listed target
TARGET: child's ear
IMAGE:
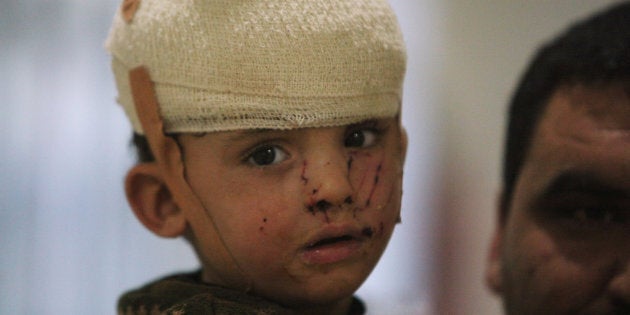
(494, 264)
(152, 202)
(403, 143)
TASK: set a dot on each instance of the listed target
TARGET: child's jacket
(186, 294)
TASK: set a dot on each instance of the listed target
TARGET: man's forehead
(590, 112)
(584, 130)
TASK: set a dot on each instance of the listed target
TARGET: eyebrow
(244, 134)
(581, 182)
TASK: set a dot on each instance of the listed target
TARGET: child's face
(306, 213)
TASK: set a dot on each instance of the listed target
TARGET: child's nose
(329, 183)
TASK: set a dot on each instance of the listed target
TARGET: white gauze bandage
(278, 64)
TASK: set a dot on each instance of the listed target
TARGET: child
(270, 138)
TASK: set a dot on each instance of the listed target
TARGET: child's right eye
(360, 138)
(267, 155)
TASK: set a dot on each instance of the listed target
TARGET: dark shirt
(187, 294)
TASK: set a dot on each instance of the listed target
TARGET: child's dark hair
(593, 52)
(143, 151)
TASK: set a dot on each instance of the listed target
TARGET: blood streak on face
(368, 231)
(303, 175)
(376, 176)
(262, 227)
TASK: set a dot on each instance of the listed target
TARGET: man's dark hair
(594, 51)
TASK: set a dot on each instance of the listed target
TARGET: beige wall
(485, 47)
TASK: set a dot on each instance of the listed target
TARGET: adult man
(562, 245)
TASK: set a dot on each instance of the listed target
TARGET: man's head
(283, 159)
(562, 245)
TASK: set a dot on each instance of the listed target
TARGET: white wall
(70, 245)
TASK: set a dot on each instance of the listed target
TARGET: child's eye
(360, 138)
(267, 155)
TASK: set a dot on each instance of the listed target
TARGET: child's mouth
(332, 249)
(329, 241)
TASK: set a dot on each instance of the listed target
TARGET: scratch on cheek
(368, 232)
(376, 178)
(303, 174)
(363, 179)
(350, 160)
(312, 209)
(262, 227)
(381, 228)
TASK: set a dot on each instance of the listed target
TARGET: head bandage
(278, 64)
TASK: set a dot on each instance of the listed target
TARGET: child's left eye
(360, 138)
(267, 155)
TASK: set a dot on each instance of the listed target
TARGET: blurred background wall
(70, 245)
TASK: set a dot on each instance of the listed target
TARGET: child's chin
(319, 298)
(308, 295)
(328, 293)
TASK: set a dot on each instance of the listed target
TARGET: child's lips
(333, 245)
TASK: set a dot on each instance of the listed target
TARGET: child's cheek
(273, 227)
(373, 178)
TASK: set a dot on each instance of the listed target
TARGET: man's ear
(494, 264)
(152, 202)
